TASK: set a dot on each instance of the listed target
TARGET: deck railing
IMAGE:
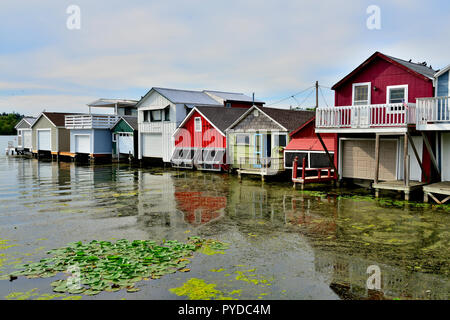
(366, 116)
(433, 110)
(265, 165)
(90, 121)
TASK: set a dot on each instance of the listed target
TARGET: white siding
(164, 128)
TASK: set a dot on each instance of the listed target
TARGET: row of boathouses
(389, 128)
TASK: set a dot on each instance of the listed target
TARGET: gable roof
(221, 118)
(57, 118)
(231, 96)
(441, 72)
(130, 120)
(29, 120)
(288, 119)
(415, 69)
(186, 96)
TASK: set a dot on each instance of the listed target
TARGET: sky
(272, 48)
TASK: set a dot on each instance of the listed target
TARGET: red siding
(382, 74)
(209, 137)
(242, 104)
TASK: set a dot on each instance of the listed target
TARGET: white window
(242, 139)
(198, 124)
(280, 140)
(361, 94)
(397, 94)
(255, 112)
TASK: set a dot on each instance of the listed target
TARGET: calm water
(297, 245)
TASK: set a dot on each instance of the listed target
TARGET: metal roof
(187, 96)
(232, 96)
(111, 103)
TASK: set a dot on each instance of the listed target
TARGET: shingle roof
(221, 117)
(187, 96)
(232, 96)
(132, 121)
(290, 119)
(417, 67)
(58, 118)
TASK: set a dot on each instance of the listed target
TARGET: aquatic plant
(112, 266)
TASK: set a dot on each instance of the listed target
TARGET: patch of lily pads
(100, 266)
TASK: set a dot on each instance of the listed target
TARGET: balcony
(366, 118)
(433, 113)
(90, 121)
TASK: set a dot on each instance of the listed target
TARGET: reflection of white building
(157, 206)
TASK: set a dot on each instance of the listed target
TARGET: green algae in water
(112, 266)
(198, 289)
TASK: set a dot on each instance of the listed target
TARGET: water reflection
(326, 241)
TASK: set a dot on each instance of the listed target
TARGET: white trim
(280, 133)
(303, 151)
(369, 91)
(91, 149)
(388, 88)
(196, 127)
(242, 134)
(247, 113)
(441, 72)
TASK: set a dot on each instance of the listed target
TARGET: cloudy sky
(272, 48)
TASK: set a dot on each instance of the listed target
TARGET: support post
(377, 157)
(430, 151)
(328, 155)
(405, 160)
(417, 157)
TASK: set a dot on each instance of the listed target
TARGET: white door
(152, 145)
(126, 143)
(82, 144)
(26, 139)
(44, 140)
(415, 172)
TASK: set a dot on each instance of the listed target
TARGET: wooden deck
(433, 190)
(398, 185)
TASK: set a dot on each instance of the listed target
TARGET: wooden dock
(433, 190)
(317, 176)
(397, 185)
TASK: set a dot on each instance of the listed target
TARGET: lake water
(295, 245)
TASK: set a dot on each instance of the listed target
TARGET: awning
(311, 144)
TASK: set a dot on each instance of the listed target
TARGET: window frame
(247, 136)
(195, 124)
(369, 96)
(388, 91)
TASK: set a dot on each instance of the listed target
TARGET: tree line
(8, 121)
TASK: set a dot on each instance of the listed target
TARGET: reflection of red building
(199, 209)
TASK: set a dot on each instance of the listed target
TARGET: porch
(373, 118)
(398, 185)
(263, 166)
(433, 113)
(435, 189)
(90, 121)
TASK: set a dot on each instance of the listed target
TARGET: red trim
(302, 126)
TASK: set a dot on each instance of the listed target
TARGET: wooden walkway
(397, 185)
(434, 189)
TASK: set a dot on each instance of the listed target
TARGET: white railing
(433, 110)
(367, 116)
(90, 121)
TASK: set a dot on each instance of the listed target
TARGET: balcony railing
(90, 121)
(366, 116)
(433, 111)
(264, 165)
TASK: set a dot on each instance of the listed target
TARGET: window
(281, 140)
(361, 94)
(155, 115)
(242, 139)
(146, 116)
(397, 94)
(127, 111)
(167, 114)
(228, 105)
(255, 112)
(198, 124)
(114, 137)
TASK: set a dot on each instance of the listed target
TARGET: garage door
(82, 144)
(358, 159)
(152, 145)
(126, 143)
(44, 140)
